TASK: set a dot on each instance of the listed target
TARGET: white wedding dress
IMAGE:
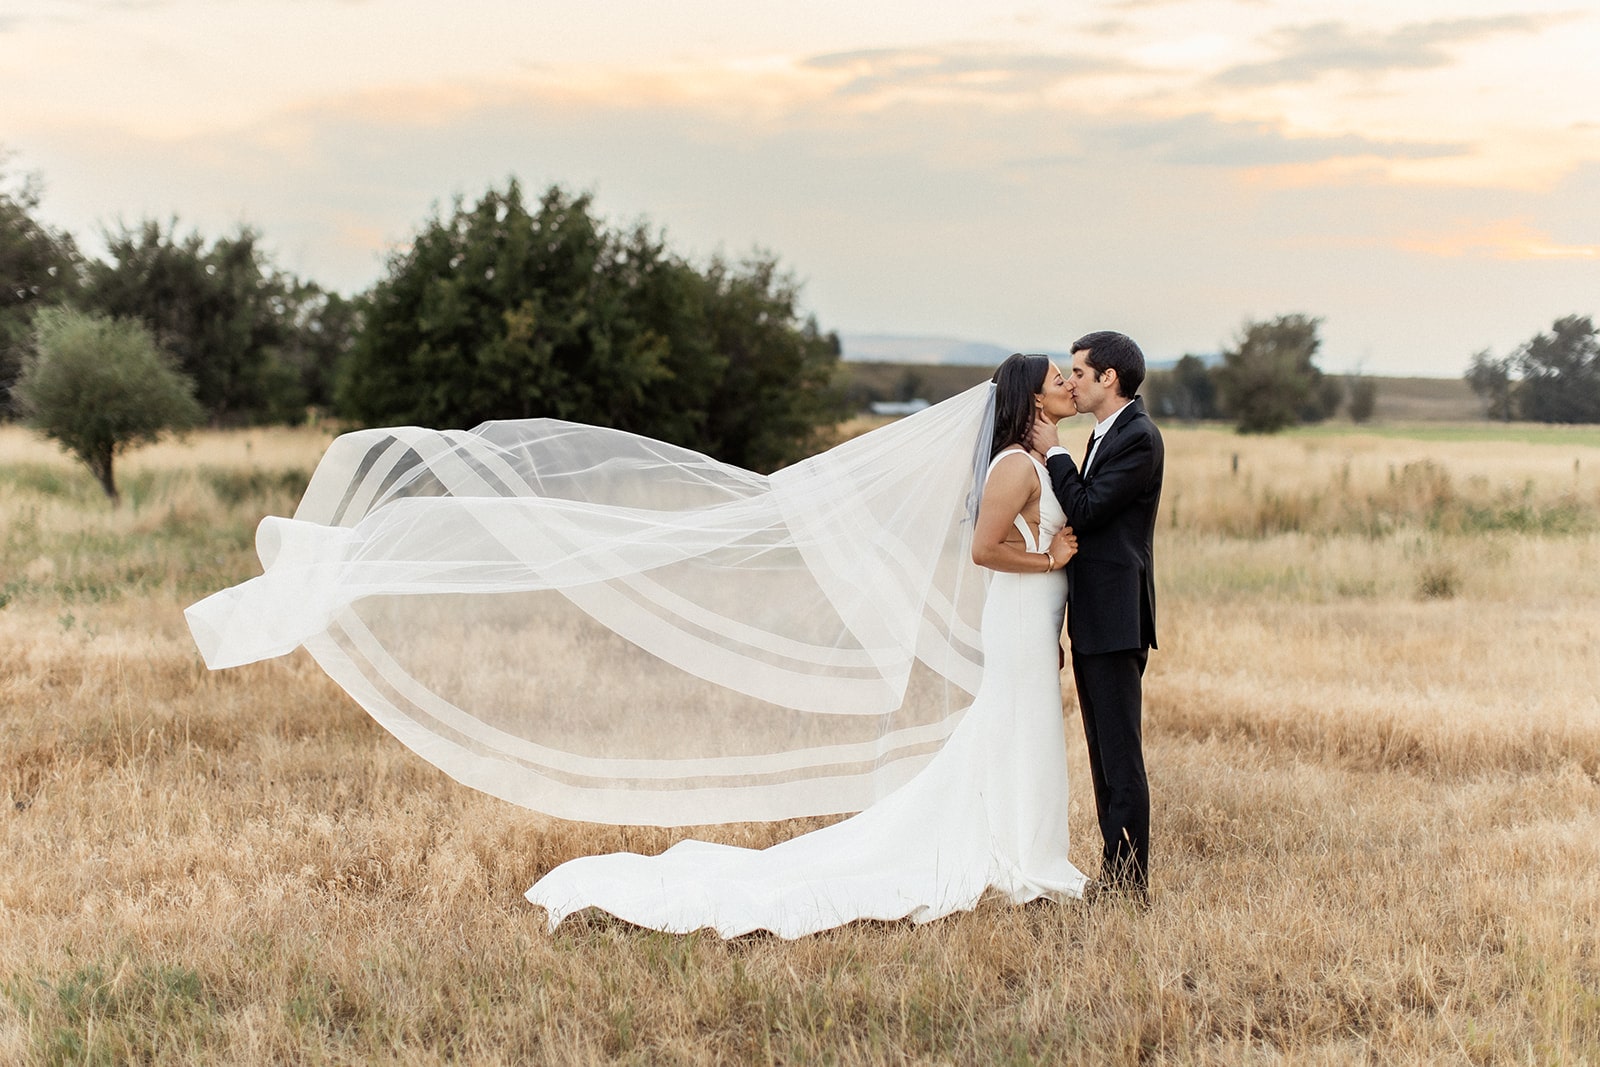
(989, 811)
(608, 628)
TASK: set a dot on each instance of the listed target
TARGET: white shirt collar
(1100, 428)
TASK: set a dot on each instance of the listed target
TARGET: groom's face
(1089, 392)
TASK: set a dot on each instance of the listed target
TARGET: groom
(1110, 500)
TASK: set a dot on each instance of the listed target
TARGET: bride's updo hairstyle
(1016, 382)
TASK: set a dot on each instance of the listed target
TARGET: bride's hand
(1064, 546)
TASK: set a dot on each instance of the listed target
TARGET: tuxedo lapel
(1134, 410)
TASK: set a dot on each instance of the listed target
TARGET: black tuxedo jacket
(1111, 589)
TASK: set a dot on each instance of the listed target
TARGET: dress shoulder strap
(1022, 525)
(1004, 452)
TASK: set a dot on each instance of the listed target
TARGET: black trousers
(1110, 697)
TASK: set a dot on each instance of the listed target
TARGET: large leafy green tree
(1560, 372)
(1269, 379)
(100, 386)
(502, 310)
(39, 266)
(777, 388)
(1551, 377)
(221, 309)
(320, 328)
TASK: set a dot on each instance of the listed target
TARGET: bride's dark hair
(1016, 382)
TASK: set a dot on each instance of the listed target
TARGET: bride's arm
(995, 540)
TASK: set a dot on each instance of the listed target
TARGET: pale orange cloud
(1513, 239)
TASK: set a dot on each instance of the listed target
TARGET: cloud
(1149, 5)
(1204, 140)
(911, 218)
(1511, 239)
(969, 70)
(1306, 53)
(83, 13)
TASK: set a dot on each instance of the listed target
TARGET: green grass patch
(1528, 432)
(169, 533)
(1418, 495)
(51, 481)
(233, 486)
(123, 1011)
(1540, 433)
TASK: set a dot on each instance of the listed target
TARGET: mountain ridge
(937, 351)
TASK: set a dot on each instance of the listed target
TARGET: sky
(1423, 177)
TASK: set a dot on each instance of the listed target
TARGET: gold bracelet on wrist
(1049, 561)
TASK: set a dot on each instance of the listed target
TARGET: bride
(605, 627)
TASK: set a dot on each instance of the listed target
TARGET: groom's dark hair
(1109, 350)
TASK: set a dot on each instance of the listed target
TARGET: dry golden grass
(1374, 742)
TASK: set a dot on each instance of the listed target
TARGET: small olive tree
(100, 386)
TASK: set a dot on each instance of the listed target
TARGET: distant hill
(1399, 399)
(952, 352)
(889, 348)
(867, 383)
(1427, 400)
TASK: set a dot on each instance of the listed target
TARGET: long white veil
(605, 627)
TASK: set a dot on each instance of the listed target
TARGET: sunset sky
(1423, 176)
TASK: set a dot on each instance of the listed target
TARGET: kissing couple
(608, 628)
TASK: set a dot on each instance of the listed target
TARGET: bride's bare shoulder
(1005, 471)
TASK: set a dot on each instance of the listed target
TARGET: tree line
(505, 309)
(497, 309)
(1267, 380)
(1551, 377)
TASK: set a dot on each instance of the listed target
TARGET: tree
(1187, 391)
(38, 266)
(1551, 377)
(777, 389)
(909, 387)
(100, 386)
(320, 328)
(1560, 373)
(1490, 379)
(1269, 381)
(1327, 393)
(223, 311)
(502, 311)
(1363, 398)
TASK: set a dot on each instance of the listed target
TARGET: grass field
(1373, 737)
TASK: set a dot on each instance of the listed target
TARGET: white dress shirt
(1100, 429)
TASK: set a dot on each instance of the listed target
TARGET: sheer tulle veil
(606, 627)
